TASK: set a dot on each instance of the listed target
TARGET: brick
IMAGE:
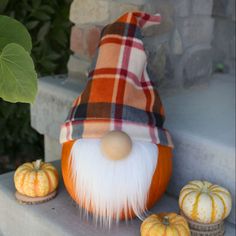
(196, 30)
(92, 38)
(77, 67)
(84, 40)
(76, 40)
(202, 7)
(89, 11)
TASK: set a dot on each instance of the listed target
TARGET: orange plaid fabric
(119, 94)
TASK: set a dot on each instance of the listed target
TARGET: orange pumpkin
(158, 186)
(36, 179)
(168, 224)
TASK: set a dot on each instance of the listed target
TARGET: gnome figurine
(116, 155)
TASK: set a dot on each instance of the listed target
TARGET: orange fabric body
(158, 186)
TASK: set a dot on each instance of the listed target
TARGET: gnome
(116, 155)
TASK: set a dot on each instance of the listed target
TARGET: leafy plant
(49, 27)
(18, 80)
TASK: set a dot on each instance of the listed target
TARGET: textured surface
(202, 121)
(61, 217)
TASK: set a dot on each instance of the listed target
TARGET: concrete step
(201, 120)
(202, 123)
(61, 217)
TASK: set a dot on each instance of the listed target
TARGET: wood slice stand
(23, 199)
(199, 229)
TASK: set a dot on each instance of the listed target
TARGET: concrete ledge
(54, 99)
(202, 122)
(61, 216)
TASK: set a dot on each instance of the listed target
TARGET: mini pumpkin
(205, 202)
(36, 179)
(168, 224)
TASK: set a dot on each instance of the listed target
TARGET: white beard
(112, 187)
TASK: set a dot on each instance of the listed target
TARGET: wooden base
(23, 199)
(199, 229)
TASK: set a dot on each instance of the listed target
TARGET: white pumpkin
(205, 202)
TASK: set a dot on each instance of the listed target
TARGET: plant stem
(166, 221)
(37, 164)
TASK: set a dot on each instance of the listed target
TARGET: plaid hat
(119, 94)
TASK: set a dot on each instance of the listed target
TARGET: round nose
(116, 145)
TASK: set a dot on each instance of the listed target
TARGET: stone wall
(179, 50)
(224, 35)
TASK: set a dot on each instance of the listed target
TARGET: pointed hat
(119, 94)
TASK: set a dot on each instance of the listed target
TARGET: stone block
(77, 40)
(137, 2)
(182, 7)
(77, 67)
(89, 11)
(230, 10)
(176, 43)
(195, 65)
(198, 66)
(165, 8)
(224, 8)
(202, 7)
(84, 40)
(117, 9)
(224, 43)
(157, 64)
(98, 12)
(196, 30)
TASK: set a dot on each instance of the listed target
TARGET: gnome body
(116, 155)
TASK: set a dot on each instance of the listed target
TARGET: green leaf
(18, 79)
(36, 3)
(31, 24)
(3, 4)
(43, 31)
(12, 31)
(40, 15)
(47, 9)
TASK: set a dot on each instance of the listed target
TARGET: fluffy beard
(112, 187)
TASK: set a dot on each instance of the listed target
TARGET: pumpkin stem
(37, 164)
(166, 221)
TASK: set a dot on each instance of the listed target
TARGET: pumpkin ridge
(222, 200)
(221, 191)
(45, 175)
(151, 227)
(184, 227)
(178, 232)
(182, 202)
(194, 214)
(213, 212)
(213, 186)
(23, 178)
(50, 187)
(36, 183)
(23, 185)
(192, 189)
(193, 184)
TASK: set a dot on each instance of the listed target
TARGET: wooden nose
(116, 145)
